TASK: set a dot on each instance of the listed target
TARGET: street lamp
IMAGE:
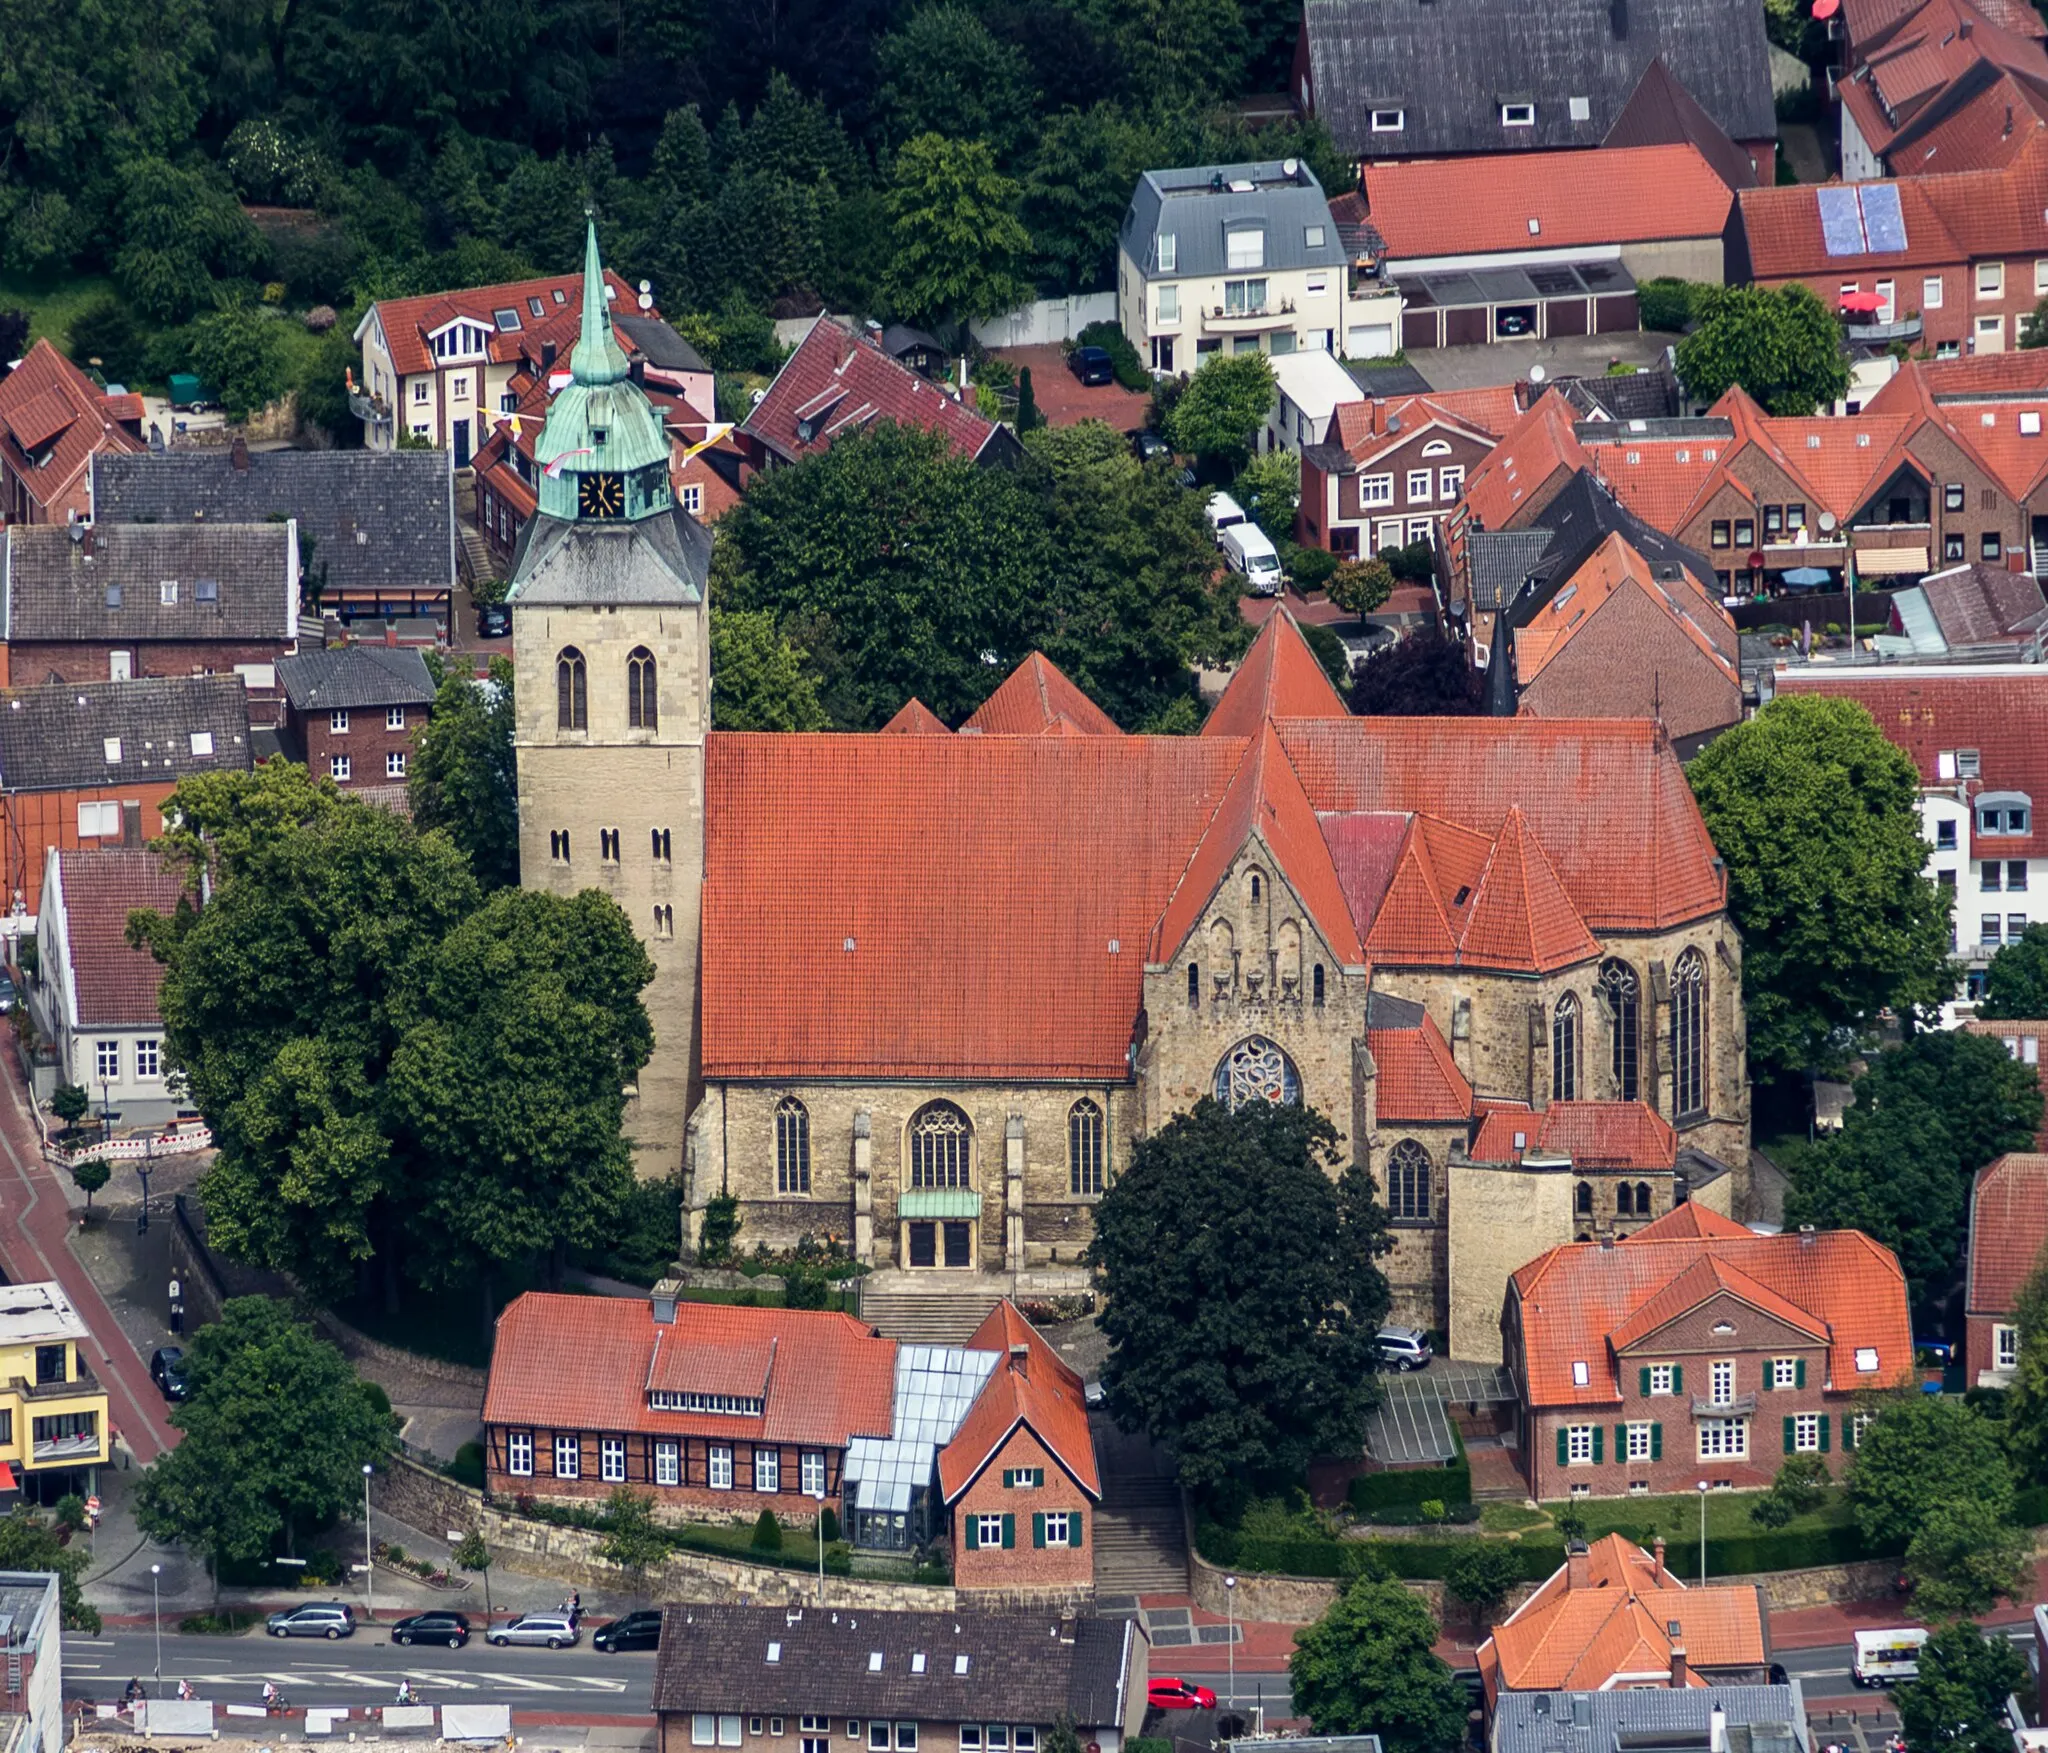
(157, 1606)
(819, 1496)
(1703, 1533)
(370, 1558)
(1230, 1640)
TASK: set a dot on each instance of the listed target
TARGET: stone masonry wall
(1500, 1220)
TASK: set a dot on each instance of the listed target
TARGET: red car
(1167, 1693)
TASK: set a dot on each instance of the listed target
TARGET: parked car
(1247, 549)
(552, 1629)
(1510, 322)
(7, 993)
(1092, 365)
(636, 1631)
(1149, 447)
(438, 1626)
(1166, 1693)
(167, 1370)
(1402, 1348)
(315, 1619)
(1223, 513)
(493, 621)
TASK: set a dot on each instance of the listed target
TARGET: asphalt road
(361, 1670)
(1824, 1672)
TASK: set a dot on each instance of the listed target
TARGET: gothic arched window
(1688, 1033)
(1256, 1070)
(1642, 1199)
(941, 1147)
(1084, 1148)
(1564, 1049)
(572, 697)
(640, 709)
(1624, 1201)
(1585, 1199)
(792, 1146)
(1622, 994)
(1408, 1181)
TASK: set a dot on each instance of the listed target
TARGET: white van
(1248, 549)
(1224, 513)
(1884, 1658)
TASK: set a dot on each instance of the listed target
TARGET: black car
(493, 621)
(1150, 447)
(636, 1631)
(1092, 365)
(167, 1370)
(438, 1626)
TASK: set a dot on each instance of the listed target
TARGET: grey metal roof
(657, 560)
(1500, 561)
(1449, 65)
(1197, 206)
(658, 343)
(976, 1667)
(356, 676)
(1387, 380)
(141, 582)
(1774, 1717)
(1384, 1011)
(376, 519)
(1679, 429)
(63, 735)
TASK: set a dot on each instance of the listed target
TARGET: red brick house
(53, 421)
(1695, 1350)
(722, 1412)
(1389, 469)
(2008, 1233)
(114, 602)
(351, 713)
(1939, 85)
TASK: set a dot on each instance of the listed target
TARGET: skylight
(775, 1652)
(1580, 1374)
(1866, 1360)
(874, 1661)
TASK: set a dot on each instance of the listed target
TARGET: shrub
(1310, 568)
(767, 1533)
(68, 1101)
(1372, 1491)
(721, 1225)
(468, 1466)
(70, 1510)
(1123, 357)
(323, 1567)
(1665, 303)
(830, 1517)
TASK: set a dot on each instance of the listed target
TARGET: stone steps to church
(927, 1317)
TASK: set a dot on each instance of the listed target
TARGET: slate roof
(349, 676)
(1651, 1719)
(114, 986)
(57, 589)
(665, 559)
(48, 404)
(1018, 1667)
(1451, 64)
(57, 737)
(1985, 605)
(375, 519)
(1661, 112)
(1501, 560)
(655, 341)
(2008, 1231)
(1197, 206)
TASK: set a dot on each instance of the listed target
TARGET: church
(921, 990)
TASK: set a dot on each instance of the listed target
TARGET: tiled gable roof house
(1939, 85)
(2008, 1244)
(53, 421)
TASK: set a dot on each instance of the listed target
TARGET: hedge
(1379, 1491)
(1123, 357)
(1409, 1515)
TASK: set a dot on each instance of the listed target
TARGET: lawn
(1678, 1518)
(51, 304)
(1511, 1518)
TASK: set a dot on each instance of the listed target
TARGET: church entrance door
(959, 1245)
(924, 1239)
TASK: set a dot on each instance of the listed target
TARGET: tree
(1801, 1485)
(69, 1101)
(1783, 346)
(767, 1532)
(1219, 414)
(959, 249)
(1269, 489)
(944, 73)
(90, 1176)
(1424, 675)
(1481, 1572)
(1367, 1667)
(239, 353)
(105, 330)
(1240, 1335)
(465, 778)
(1919, 1451)
(1818, 818)
(276, 1409)
(180, 228)
(14, 333)
(2034, 327)
(472, 1554)
(27, 1542)
(633, 1539)
(1029, 419)
(759, 680)
(2026, 1409)
(1360, 586)
(1988, 1101)
(2016, 982)
(1957, 1703)
(1966, 1558)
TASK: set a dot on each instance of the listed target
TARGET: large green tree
(1241, 1326)
(1367, 1667)
(1957, 1704)
(944, 72)
(277, 1431)
(1967, 1558)
(1818, 818)
(2026, 1412)
(1921, 1450)
(2016, 981)
(464, 776)
(180, 228)
(958, 252)
(1219, 414)
(759, 680)
(1782, 345)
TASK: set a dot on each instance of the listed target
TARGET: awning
(8, 1482)
(939, 1202)
(1889, 562)
(1861, 301)
(1805, 577)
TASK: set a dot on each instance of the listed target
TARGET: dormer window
(730, 1405)
(461, 341)
(507, 321)
(598, 434)
(1518, 115)
(1389, 121)
(2004, 812)
(1244, 246)
(1169, 252)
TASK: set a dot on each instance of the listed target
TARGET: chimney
(547, 356)
(238, 455)
(85, 541)
(1657, 1552)
(1678, 1670)
(1806, 1235)
(1020, 1358)
(1717, 1730)
(663, 1301)
(1578, 1566)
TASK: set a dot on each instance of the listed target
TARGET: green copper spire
(598, 357)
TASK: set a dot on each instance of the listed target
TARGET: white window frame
(1661, 1378)
(668, 1461)
(1375, 490)
(419, 393)
(337, 721)
(906, 1738)
(1421, 486)
(99, 821)
(394, 718)
(1244, 249)
(2005, 1347)
(703, 1729)
(1784, 1371)
(1729, 1439)
(106, 1061)
(729, 1728)
(1806, 1433)
(878, 1734)
(611, 1460)
(1060, 1535)
(339, 767)
(989, 1531)
(2041, 274)
(1721, 1381)
(1638, 1442)
(569, 1449)
(1933, 288)
(1990, 279)
(1169, 252)
(720, 1467)
(1859, 1422)
(1518, 115)
(693, 498)
(1389, 121)
(811, 1472)
(1450, 481)
(1578, 1449)
(149, 1060)
(1169, 305)
(1420, 529)
(519, 1453)
(767, 1469)
(1316, 286)
(394, 763)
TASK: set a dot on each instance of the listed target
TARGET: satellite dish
(646, 301)
(1537, 374)
(1291, 166)
(1827, 520)
(647, 286)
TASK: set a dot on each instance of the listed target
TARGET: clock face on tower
(600, 496)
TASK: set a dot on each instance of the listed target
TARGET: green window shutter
(1074, 1529)
(1790, 1436)
(1038, 1528)
(1621, 1445)
(1823, 1433)
(1656, 1442)
(1643, 1380)
(1009, 1478)
(1678, 1378)
(1769, 1383)
(1848, 1433)
(1564, 1450)
(1799, 1374)
(973, 1530)
(1599, 1436)
(1009, 1532)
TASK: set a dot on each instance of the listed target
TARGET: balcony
(84, 1383)
(371, 410)
(1274, 314)
(1742, 1406)
(66, 1450)
(1882, 334)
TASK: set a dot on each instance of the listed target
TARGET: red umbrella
(1862, 301)
(1825, 9)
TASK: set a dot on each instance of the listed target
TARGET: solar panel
(1883, 219)
(1841, 221)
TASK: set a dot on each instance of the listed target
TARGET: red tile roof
(1521, 916)
(1365, 429)
(112, 984)
(1577, 1300)
(1535, 449)
(1278, 678)
(1690, 1220)
(589, 1363)
(1545, 200)
(1945, 84)
(1418, 1079)
(44, 399)
(1036, 699)
(1598, 1135)
(408, 322)
(915, 718)
(1705, 1278)
(2002, 715)
(838, 381)
(1980, 411)
(2008, 1231)
(1037, 1391)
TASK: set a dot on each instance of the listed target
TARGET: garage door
(1618, 314)
(1565, 316)
(1418, 328)
(1465, 328)
(1369, 341)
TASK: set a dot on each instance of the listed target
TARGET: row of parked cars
(556, 1630)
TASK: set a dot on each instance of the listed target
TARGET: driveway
(1062, 398)
(1473, 368)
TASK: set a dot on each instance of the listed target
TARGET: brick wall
(694, 1498)
(31, 822)
(367, 744)
(28, 663)
(1025, 1564)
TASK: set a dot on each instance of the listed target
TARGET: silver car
(315, 1619)
(552, 1629)
(1402, 1348)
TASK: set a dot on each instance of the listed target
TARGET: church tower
(612, 659)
